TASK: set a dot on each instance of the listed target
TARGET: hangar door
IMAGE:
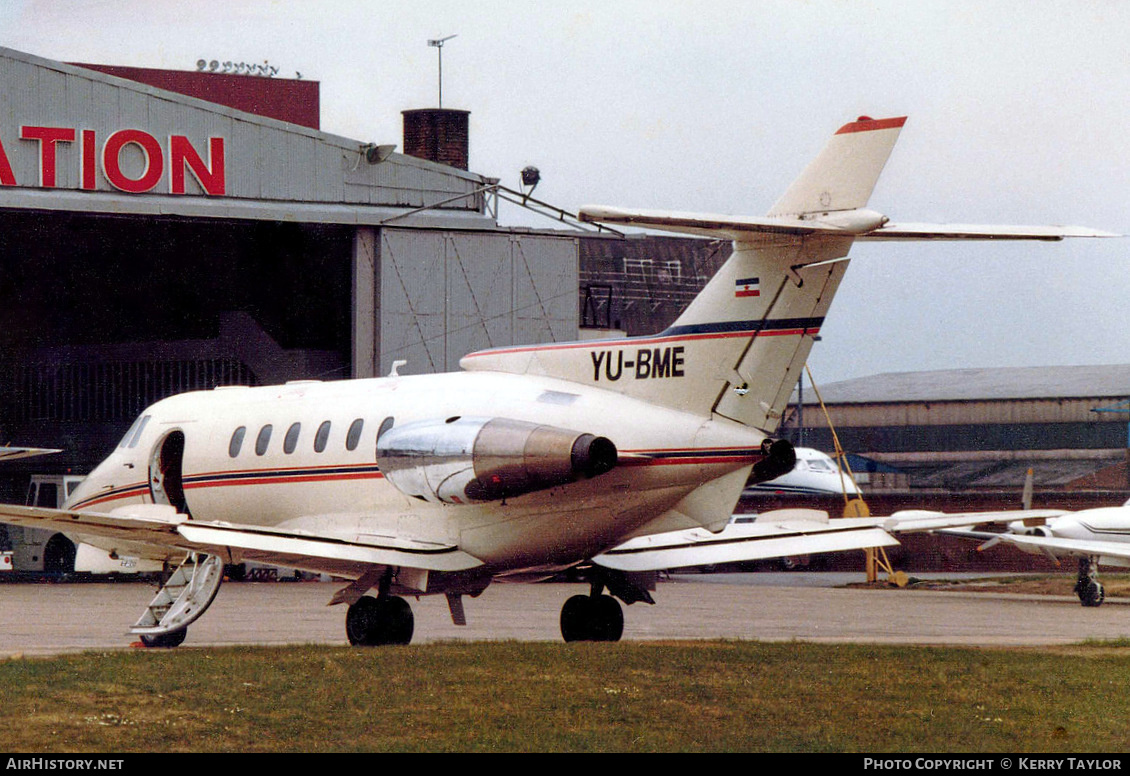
(445, 294)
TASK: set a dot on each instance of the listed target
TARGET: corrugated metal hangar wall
(152, 242)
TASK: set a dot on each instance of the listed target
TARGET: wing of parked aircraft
(8, 453)
(162, 526)
(1051, 545)
(777, 534)
(1099, 536)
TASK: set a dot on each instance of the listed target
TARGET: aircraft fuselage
(303, 456)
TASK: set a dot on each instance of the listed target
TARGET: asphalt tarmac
(43, 619)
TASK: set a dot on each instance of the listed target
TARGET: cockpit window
(133, 436)
(354, 434)
(236, 441)
(129, 434)
(263, 440)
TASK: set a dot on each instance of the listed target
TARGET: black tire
(607, 619)
(1092, 594)
(399, 623)
(361, 621)
(165, 640)
(59, 555)
(576, 619)
(373, 622)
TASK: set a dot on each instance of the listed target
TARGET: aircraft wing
(12, 453)
(774, 535)
(919, 520)
(162, 527)
(1051, 545)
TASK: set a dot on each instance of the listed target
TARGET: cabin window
(354, 435)
(386, 424)
(236, 441)
(322, 437)
(263, 440)
(290, 441)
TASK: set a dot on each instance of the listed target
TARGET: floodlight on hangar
(375, 154)
(531, 176)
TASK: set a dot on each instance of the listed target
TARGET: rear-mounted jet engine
(487, 459)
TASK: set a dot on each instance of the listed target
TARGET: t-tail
(738, 349)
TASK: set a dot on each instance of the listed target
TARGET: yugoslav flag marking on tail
(747, 287)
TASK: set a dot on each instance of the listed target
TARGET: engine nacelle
(779, 460)
(1025, 529)
(487, 459)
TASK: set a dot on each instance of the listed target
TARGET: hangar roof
(56, 154)
(996, 384)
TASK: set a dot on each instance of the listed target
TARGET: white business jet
(529, 461)
(1099, 536)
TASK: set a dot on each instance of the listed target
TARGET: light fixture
(375, 154)
(531, 176)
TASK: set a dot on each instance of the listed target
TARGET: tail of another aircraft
(738, 349)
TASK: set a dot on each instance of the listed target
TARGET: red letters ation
(6, 176)
(182, 156)
(47, 137)
(111, 161)
(210, 177)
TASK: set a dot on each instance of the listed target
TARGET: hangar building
(152, 242)
(971, 435)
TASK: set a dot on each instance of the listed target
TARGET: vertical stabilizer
(843, 176)
(739, 347)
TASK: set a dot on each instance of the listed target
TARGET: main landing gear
(374, 622)
(377, 621)
(595, 617)
(1087, 585)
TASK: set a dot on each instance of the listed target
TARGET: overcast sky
(1019, 113)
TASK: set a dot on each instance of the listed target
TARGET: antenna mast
(438, 43)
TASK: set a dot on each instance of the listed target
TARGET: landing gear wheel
(1087, 585)
(374, 622)
(575, 619)
(1092, 594)
(589, 618)
(165, 640)
(607, 619)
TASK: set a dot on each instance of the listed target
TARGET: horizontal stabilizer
(979, 232)
(706, 224)
(861, 224)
